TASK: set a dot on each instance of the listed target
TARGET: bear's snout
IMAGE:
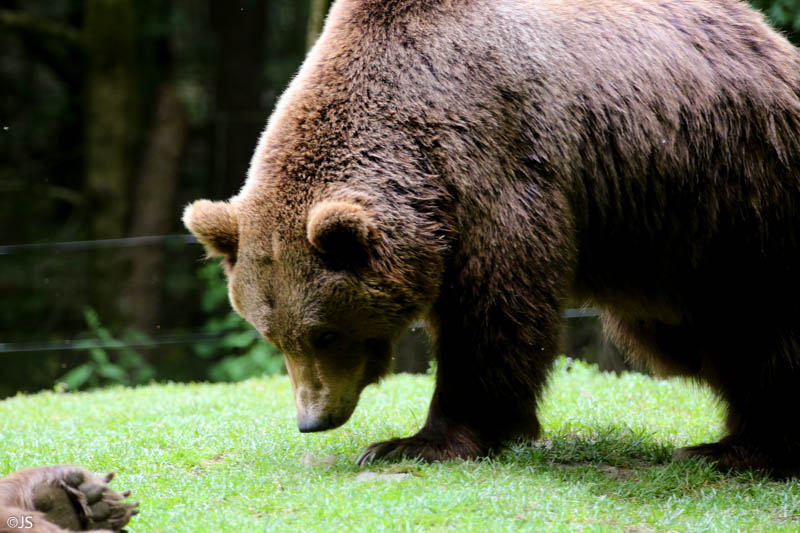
(309, 423)
(325, 396)
(320, 412)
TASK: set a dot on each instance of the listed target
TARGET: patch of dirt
(614, 472)
(220, 457)
(309, 459)
(368, 475)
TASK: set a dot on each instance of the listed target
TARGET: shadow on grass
(610, 461)
(610, 446)
(622, 463)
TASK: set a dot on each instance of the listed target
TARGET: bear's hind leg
(763, 430)
(762, 399)
(661, 348)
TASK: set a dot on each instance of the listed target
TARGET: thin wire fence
(130, 242)
(78, 246)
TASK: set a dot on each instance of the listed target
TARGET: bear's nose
(312, 423)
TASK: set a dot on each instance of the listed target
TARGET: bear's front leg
(497, 336)
(444, 439)
(485, 396)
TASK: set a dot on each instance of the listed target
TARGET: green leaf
(99, 356)
(113, 372)
(91, 318)
(205, 350)
(241, 339)
(77, 377)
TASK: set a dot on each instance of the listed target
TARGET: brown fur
(505, 153)
(57, 499)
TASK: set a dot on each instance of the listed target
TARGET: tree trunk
(153, 209)
(240, 114)
(111, 123)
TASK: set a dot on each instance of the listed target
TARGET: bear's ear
(215, 225)
(340, 230)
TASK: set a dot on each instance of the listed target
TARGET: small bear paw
(76, 499)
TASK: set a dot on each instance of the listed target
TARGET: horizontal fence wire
(77, 246)
(189, 338)
(88, 344)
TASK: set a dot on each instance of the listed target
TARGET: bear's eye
(324, 339)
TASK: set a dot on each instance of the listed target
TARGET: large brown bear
(474, 162)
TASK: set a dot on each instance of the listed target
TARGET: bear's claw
(425, 449)
(102, 507)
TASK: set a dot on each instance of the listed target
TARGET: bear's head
(338, 240)
(331, 283)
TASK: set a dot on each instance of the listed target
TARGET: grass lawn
(228, 458)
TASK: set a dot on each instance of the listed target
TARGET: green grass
(228, 458)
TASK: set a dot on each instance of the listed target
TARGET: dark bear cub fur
(476, 162)
(56, 499)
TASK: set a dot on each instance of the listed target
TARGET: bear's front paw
(422, 447)
(74, 497)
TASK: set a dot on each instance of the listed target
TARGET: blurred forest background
(114, 114)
